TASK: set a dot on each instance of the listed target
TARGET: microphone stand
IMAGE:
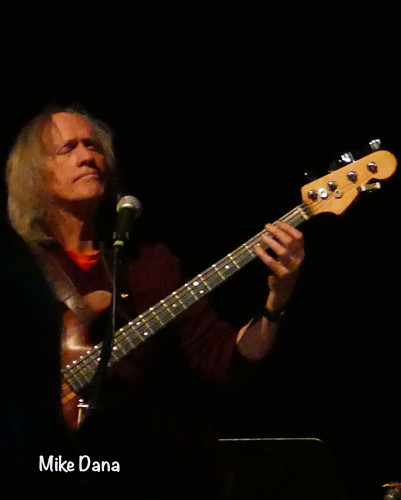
(107, 343)
(128, 209)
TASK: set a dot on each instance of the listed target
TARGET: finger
(275, 265)
(276, 246)
(291, 230)
(286, 234)
(293, 243)
(279, 234)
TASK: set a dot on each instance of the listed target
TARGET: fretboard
(79, 374)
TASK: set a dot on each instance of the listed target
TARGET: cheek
(101, 163)
(57, 178)
(55, 181)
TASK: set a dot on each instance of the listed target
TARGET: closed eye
(67, 147)
(91, 145)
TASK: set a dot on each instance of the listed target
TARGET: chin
(92, 193)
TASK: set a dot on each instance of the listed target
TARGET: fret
(129, 338)
(233, 261)
(218, 272)
(205, 283)
(85, 369)
(142, 324)
(305, 216)
(188, 298)
(191, 298)
(119, 345)
(156, 315)
(172, 305)
(153, 322)
(88, 368)
(244, 257)
(227, 269)
(178, 300)
(77, 383)
(213, 279)
(73, 369)
(294, 219)
(117, 348)
(69, 379)
(196, 288)
(256, 240)
(125, 336)
(297, 216)
(249, 250)
(167, 308)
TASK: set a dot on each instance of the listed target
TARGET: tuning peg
(372, 146)
(347, 158)
(375, 144)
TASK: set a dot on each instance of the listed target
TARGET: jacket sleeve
(207, 342)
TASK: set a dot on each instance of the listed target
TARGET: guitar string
(82, 365)
(82, 370)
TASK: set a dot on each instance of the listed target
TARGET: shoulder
(156, 257)
(155, 266)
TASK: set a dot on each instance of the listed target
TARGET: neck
(74, 229)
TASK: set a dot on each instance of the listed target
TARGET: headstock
(337, 190)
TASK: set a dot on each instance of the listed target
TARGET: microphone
(129, 209)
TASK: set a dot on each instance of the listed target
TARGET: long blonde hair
(25, 173)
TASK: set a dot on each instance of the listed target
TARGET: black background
(218, 113)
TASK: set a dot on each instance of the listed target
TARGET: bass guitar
(333, 193)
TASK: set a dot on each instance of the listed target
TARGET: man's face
(74, 160)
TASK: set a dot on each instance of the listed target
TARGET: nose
(85, 156)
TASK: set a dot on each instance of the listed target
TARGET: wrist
(273, 315)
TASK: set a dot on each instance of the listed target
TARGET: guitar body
(77, 340)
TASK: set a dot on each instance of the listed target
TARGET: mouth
(87, 175)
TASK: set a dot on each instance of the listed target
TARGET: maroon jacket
(151, 418)
(204, 343)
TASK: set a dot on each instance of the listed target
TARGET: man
(60, 174)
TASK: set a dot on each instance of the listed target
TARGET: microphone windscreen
(131, 203)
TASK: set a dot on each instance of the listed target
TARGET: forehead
(64, 126)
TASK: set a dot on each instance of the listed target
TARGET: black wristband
(272, 316)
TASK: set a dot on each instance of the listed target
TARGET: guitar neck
(79, 375)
